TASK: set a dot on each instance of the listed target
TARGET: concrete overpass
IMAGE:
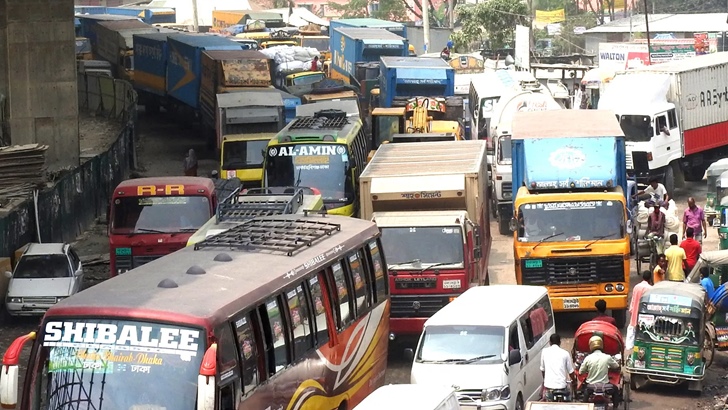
(38, 77)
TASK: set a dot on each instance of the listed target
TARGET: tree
(392, 10)
(495, 18)
(567, 41)
(438, 16)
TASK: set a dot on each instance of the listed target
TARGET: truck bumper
(410, 326)
(586, 303)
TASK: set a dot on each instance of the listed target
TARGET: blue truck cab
(350, 46)
(413, 77)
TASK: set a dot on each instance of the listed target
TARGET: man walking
(694, 217)
(556, 368)
(637, 293)
(692, 248)
(675, 258)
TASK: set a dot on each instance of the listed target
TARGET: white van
(410, 397)
(487, 345)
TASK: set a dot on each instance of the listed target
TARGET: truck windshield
(461, 344)
(166, 214)
(427, 244)
(243, 154)
(308, 79)
(636, 128)
(566, 221)
(504, 150)
(325, 167)
(320, 44)
(117, 364)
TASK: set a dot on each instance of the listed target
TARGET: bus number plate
(123, 251)
(571, 303)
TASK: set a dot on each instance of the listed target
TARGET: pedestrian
(692, 248)
(316, 64)
(637, 293)
(556, 368)
(656, 190)
(601, 306)
(675, 259)
(656, 227)
(694, 217)
(584, 102)
(445, 53)
(706, 282)
(660, 271)
(190, 163)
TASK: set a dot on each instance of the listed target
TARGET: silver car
(45, 274)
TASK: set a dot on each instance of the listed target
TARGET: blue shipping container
(396, 28)
(184, 65)
(88, 24)
(148, 15)
(150, 62)
(414, 77)
(358, 45)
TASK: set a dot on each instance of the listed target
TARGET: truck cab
(241, 156)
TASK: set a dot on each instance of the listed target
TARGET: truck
(353, 46)
(156, 15)
(184, 69)
(115, 44)
(526, 97)
(406, 77)
(673, 117)
(222, 19)
(150, 69)
(430, 202)
(391, 26)
(570, 227)
(87, 24)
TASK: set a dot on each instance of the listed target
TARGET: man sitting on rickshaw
(596, 366)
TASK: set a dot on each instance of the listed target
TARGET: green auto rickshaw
(717, 317)
(714, 172)
(720, 220)
(671, 340)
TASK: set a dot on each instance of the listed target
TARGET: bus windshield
(564, 221)
(426, 244)
(243, 154)
(308, 79)
(325, 167)
(165, 214)
(119, 364)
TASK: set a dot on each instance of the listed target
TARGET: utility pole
(195, 23)
(426, 22)
(647, 30)
(451, 9)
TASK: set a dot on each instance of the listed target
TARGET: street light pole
(647, 29)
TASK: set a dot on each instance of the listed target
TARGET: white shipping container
(698, 88)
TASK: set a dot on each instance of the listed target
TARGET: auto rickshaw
(614, 346)
(714, 172)
(672, 345)
(720, 220)
(716, 310)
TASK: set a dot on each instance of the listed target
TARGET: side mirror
(629, 226)
(8, 274)
(513, 225)
(78, 272)
(409, 354)
(477, 236)
(514, 357)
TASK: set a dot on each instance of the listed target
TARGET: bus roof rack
(272, 234)
(271, 204)
(320, 122)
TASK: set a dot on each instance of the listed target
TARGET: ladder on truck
(239, 207)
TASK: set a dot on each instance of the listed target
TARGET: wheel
(708, 348)
(695, 173)
(653, 258)
(519, 403)
(626, 389)
(493, 206)
(620, 316)
(503, 225)
(637, 257)
(669, 179)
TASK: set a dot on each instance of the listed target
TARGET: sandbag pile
(291, 58)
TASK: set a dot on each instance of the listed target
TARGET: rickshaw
(720, 219)
(716, 312)
(672, 345)
(614, 346)
(712, 201)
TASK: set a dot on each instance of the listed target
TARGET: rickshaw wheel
(638, 258)
(708, 348)
(626, 390)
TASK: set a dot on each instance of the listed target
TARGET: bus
(153, 217)
(326, 151)
(285, 312)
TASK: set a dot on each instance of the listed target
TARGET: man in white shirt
(556, 368)
(656, 190)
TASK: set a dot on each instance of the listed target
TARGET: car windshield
(504, 150)
(321, 166)
(42, 267)
(167, 214)
(118, 365)
(565, 221)
(636, 128)
(243, 154)
(461, 343)
(428, 245)
(308, 79)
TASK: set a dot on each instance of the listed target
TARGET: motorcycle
(601, 395)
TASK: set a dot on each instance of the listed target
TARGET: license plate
(451, 284)
(571, 303)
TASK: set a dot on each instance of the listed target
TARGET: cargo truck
(430, 203)
(150, 69)
(673, 116)
(156, 15)
(402, 78)
(521, 98)
(352, 46)
(115, 44)
(570, 229)
(391, 26)
(185, 64)
(87, 23)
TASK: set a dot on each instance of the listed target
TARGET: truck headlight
(496, 393)
(507, 195)
(121, 270)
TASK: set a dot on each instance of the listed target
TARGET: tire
(637, 257)
(669, 179)
(519, 403)
(620, 316)
(695, 174)
(493, 206)
(503, 225)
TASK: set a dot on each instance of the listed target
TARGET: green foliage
(495, 18)
(391, 10)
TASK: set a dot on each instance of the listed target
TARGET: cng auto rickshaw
(720, 219)
(671, 338)
(713, 174)
(716, 310)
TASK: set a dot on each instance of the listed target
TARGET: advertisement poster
(622, 56)
(547, 17)
(702, 46)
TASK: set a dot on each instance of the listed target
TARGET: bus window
(360, 285)
(380, 278)
(322, 328)
(228, 355)
(248, 353)
(300, 322)
(342, 301)
(276, 335)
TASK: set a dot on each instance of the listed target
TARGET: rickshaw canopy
(674, 299)
(611, 336)
(711, 259)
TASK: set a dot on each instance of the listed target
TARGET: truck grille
(665, 358)
(575, 270)
(415, 283)
(40, 300)
(138, 261)
(417, 306)
(506, 190)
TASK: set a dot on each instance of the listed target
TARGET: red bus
(153, 217)
(286, 312)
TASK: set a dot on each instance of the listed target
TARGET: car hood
(40, 287)
(474, 376)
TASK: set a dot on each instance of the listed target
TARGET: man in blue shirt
(706, 282)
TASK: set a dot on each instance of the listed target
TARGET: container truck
(570, 229)
(351, 46)
(406, 77)
(673, 117)
(396, 28)
(525, 97)
(184, 68)
(115, 44)
(87, 24)
(430, 203)
(156, 15)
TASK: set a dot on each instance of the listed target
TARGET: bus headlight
(619, 287)
(609, 287)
